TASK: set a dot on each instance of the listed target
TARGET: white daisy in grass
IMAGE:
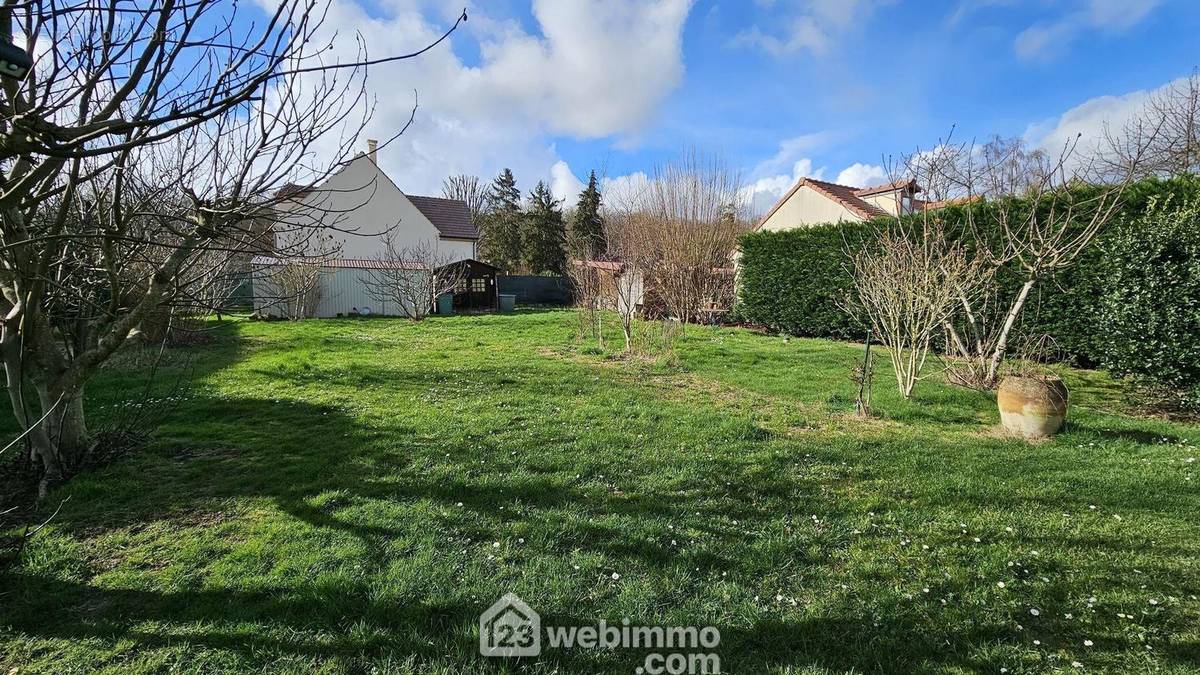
(616, 577)
(1035, 611)
(1088, 643)
(1000, 584)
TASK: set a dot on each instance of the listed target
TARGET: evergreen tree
(544, 234)
(500, 224)
(587, 228)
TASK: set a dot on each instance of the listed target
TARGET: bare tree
(1163, 139)
(467, 189)
(907, 283)
(412, 277)
(1036, 221)
(680, 233)
(294, 281)
(202, 110)
(588, 288)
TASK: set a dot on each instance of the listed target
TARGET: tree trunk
(1009, 321)
(65, 425)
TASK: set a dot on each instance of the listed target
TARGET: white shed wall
(342, 290)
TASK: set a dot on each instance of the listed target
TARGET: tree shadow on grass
(263, 627)
(318, 464)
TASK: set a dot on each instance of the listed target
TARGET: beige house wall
(805, 207)
(888, 201)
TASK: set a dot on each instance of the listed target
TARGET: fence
(536, 290)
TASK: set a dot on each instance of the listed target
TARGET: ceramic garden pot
(1032, 407)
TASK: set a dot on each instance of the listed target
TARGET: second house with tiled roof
(812, 201)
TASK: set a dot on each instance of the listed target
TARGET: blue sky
(780, 88)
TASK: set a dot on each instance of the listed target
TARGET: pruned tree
(907, 284)
(412, 278)
(145, 136)
(588, 289)
(295, 278)
(624, 283)
(1034, 222)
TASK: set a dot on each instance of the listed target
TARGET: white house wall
(360, 203)
(806, 206)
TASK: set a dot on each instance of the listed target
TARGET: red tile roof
(888, 187)
(847, 196)
(451, 217)
(943, 203)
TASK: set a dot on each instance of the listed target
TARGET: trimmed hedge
(792, 281)
(1150, 307)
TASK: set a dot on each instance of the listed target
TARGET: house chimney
(372, 147)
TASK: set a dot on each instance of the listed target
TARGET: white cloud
(526, 88)
(809, 25)
(790, 151)
(862, 175)
(1089, 121)
(761, 194)
(563, 183)
(1048, 39)
(623, 189)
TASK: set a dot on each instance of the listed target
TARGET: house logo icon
(510, 628)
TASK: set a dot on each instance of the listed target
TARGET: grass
(348, 496)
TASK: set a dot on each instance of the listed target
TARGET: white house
(353, 210)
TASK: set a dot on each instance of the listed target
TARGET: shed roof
(342, 263)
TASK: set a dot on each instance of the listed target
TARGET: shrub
(1150, 306)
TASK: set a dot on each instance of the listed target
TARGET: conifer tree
(500, 231)
(587, 229)
(543, 235)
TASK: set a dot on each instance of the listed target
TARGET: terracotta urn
(1032, 407)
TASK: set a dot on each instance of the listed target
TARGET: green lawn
(348, 496)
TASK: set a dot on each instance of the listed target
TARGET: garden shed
(476, 288)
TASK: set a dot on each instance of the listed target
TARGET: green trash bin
(507, 302)
(445, 304)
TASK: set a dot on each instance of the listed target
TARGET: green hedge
(1150, 304)
(791, 281)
